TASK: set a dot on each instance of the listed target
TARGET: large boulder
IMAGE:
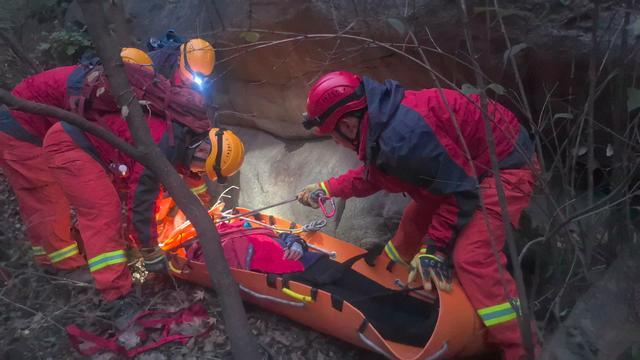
(275, 170)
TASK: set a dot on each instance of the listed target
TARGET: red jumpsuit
(409, 144)
(43, 206)
(87, 169)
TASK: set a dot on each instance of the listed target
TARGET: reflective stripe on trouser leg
(38, 251)
(106, 259)
(199, 189)
(392, 253)
(63, 253)
(501, 313)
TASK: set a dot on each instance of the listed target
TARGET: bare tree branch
(72, 118)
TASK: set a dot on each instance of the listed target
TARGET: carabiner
(322, 200)
(321, 197)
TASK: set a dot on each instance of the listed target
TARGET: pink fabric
(267, 252)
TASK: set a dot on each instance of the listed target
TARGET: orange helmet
(135, 56)
(226, 155)
(197, 58)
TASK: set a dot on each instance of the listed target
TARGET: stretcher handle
(440, 353)
(296, 295)
(270, 298)
(371, 344)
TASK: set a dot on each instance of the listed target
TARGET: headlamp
(199, 80)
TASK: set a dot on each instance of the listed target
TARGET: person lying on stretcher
(245, 247)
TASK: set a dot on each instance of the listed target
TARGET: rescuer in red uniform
(431, 144)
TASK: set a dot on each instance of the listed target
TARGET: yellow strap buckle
(296, 295)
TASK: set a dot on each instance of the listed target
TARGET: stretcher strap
(336, 302)
(335, 273)
(89, 344)
(271, 281)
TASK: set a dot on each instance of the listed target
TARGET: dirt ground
(37, 307)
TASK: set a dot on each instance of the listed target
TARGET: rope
(314, 226)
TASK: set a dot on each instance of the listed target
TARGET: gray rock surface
(274, 170)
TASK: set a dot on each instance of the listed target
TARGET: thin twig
(33, 312)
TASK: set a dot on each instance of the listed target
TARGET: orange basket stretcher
(453, 328)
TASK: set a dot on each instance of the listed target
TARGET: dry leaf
(124, 111)
(100, 91)
(129, 339)
(194, 327)
(198, 295)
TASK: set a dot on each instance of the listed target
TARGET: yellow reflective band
(499, 320)
(38, 250)
(498, 314)
(106, 259)
(392, 253)
(199, 189)
(64, 253)
(502, 306)
(324, 187)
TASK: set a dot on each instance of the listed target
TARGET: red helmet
(331, 97)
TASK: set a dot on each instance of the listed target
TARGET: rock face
(274, 170)
(266, 88)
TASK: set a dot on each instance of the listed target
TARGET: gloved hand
(434, 268)
(294, 247)
(305, 195)
(154, 259)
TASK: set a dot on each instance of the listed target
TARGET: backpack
(88, 90)
(165, 53)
